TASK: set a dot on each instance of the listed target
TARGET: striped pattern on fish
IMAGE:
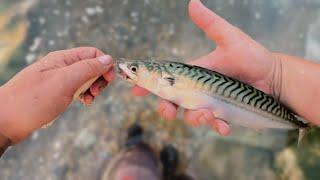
(178, 82)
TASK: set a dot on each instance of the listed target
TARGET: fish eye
(133, 69)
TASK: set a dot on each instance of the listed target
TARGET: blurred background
(81, 142)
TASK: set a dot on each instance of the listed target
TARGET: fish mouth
(125, 76)
(122, 72)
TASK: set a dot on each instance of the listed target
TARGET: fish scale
(194, 87)
(229, 88)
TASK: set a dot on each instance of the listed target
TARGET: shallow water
(82, 141)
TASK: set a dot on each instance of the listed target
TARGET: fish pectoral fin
(167, 79)
(170, 80)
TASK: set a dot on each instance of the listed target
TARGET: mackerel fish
(193, 87)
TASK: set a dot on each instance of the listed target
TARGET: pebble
(85, 139)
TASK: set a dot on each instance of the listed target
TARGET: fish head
(166, 80)
(139, 72)
(151, 75)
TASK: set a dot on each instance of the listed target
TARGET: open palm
(237, 55)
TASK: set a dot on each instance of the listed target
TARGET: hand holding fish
(239, 56)
(43, 90)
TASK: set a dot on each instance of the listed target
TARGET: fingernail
(105, 60)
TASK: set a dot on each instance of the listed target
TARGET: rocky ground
(82, 141)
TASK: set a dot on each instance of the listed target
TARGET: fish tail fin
(303, 131)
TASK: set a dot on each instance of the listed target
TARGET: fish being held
(193, 87)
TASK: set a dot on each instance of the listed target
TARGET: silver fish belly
(229, 99)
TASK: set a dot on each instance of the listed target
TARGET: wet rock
(244, 162)
(13, 30)
(313, 41)
(288, 165)
(85, 140)
(61, 171)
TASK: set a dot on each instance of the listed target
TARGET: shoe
(169, 158)
(137, 161)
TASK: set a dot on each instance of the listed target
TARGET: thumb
(81, 72)
(213, 25)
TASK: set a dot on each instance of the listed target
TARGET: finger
(205, 116)
(167, 110)
(220, 127)
(139, 91)
(208, 61)
(98, 86)
(110, 75)
(213, 25)
(190, 119)
(79, 73)
(74, 55)
(88, 99)
(197, 117)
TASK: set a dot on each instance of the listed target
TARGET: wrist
(300, 86)
(282, 78)
(277, 79)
